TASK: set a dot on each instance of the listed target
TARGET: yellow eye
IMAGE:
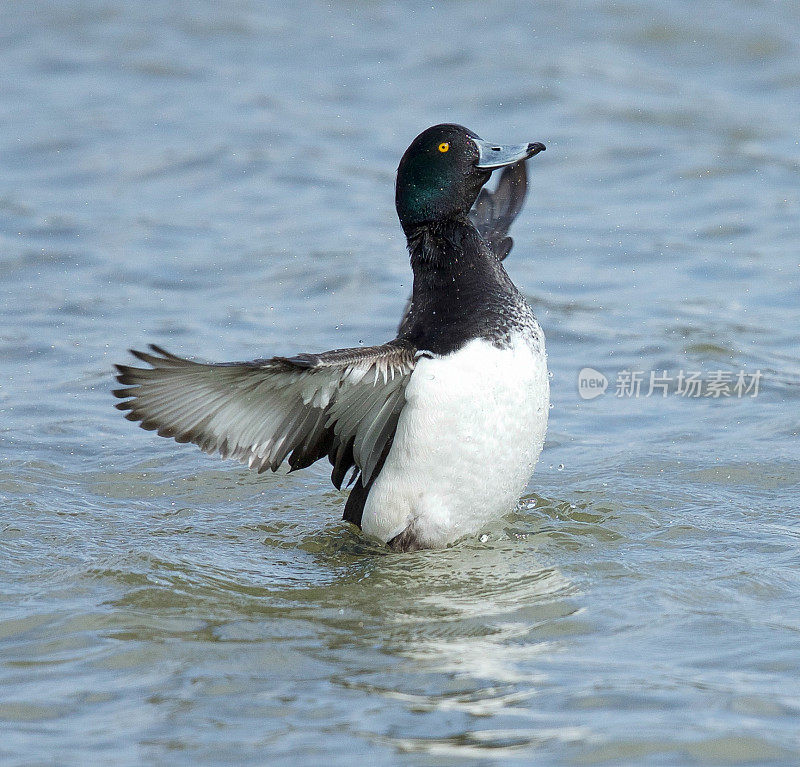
(444, 146)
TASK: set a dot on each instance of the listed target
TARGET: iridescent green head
(443, 170)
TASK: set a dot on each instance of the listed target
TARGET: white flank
(466, 443)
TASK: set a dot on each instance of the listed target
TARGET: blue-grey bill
(498, 155)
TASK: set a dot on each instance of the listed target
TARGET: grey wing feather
(494, 212)
(344, 404)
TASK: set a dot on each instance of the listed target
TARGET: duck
(437, 431)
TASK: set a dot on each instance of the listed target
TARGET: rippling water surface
(217, 178)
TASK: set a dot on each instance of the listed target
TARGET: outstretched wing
(343, 404)
(494, 212)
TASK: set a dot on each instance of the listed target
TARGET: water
(217, 178)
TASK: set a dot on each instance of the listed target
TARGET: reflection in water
(467, 629)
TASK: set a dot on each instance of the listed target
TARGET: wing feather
(384, 421)
(494, 212)
(342, 404)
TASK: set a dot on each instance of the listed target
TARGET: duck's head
(443, 170)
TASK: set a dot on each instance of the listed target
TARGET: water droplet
(549, 373)
(483, 538)
(551, 406)
(561, 467)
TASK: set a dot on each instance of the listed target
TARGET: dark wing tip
(157, 354)
(163, 352)
(504, 248)
(495, 211)
(127, 375)
(143, 356)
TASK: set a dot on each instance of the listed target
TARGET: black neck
(435, 244)
(460, 288)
